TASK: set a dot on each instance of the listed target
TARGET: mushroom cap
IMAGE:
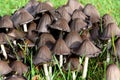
(117, 46)
(19, 67)
(88, 49)
(16, 34)
(6, 22)
(113, 72)
(61, 24)
(43, 7)
(73, 64)
(106, 19)
(78, 14)
(78, 24)
(16, 78)
(91, 11)
(85, 35)
(111, 30)
(4, 68)
(61, 48)
(43, 56)
(46, 39)
(21, 17)
(43, 23)
(73, 40)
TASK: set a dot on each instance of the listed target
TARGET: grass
(97, 66)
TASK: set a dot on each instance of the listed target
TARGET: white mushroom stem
(73, 75)
(108, 54)
(50, 70)
(4, 51)
(61, 60)
(25, 27)
(85, 67)
(14, 42)
(46, 72)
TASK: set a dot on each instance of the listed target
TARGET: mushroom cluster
(37, 32)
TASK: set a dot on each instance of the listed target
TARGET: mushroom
(6, 22)
(19, 67)
(43, 57)
(113, 72)
(14, 77)
(22, 17)
(73, 65)
(91, 11)
(4, 68)
(61, 49)
(87, 49)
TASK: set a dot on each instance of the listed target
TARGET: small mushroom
(43, 57)
(61, 49)
(87, 49)
(113, 72)
(22, 17)
(4, 68)
(19, 67)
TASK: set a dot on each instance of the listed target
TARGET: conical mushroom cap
(21, 17)
(117, 47)
(19, 67)
(78, 14)
(62, 11)
(16, 34)
(43, 24)
(61, 48)
(91, 11)
(4, 68)
(113, 72)
(73, 40)
(46, 39)
(78, 24)
(111, 30)
(88, 49)
(106, 19)
(85, 35)
(44, 55)
(6, 22)
(43, 7)
(73, 64)
(31, 7)
(16, 78)
(61, 24)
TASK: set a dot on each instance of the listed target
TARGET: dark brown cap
(6, 22)
(91, 11)
(19, 67)
(110, 31)
(44, 55)
(78, 24)
(113, 72)
(46, 39)
(4, 68)
(61, 24)
(88, 49)
(21, 17)
(61, 48)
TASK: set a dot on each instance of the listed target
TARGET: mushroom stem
(4, 52)
(73, 75)
(46, 72)
(61, 60)
(50, 70)
(25, 27)
(85, 67)
(14, 42)
(108, 47)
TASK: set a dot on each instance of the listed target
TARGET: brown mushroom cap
(78, 24)
(61, 48)
(61, 24)
(88, 49)
(21, 17)
(15, 78)
(91, 11)
(4, 68)
(44, 55)
(85, 35)
(111, 30)
(46, 39)
(113, 72)
(19, 67)
(6, 22)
